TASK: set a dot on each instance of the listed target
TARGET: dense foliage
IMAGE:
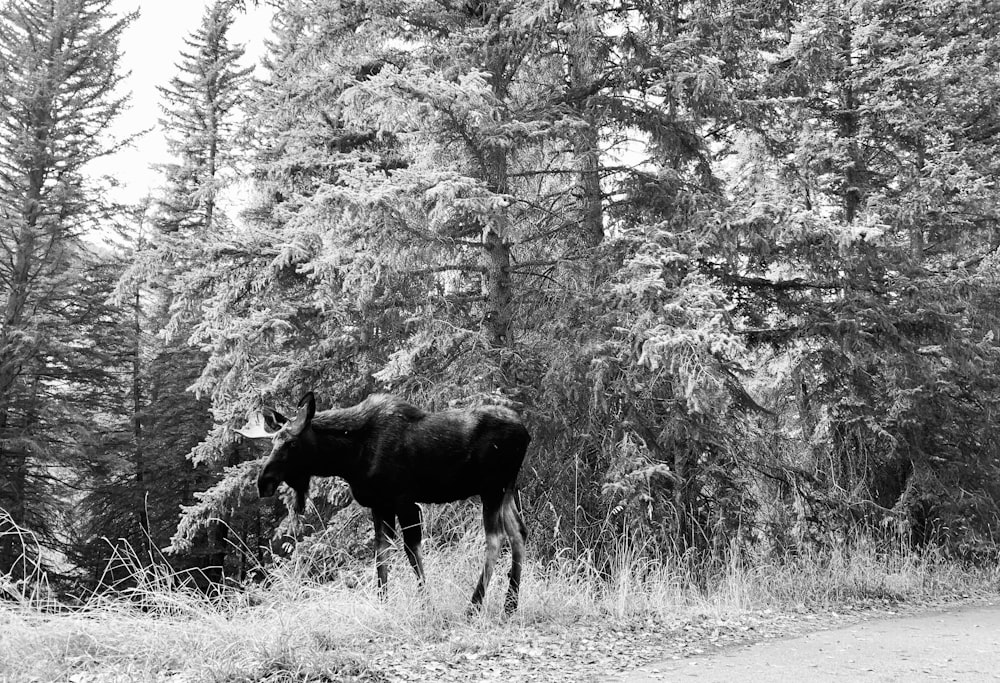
(736, 263)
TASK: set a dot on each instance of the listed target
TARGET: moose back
(394, 455)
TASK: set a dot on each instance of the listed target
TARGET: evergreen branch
(770, 335)
(464, 298)
(539, 262)
(779, 285)
(430, 237)
(543, 276)
(465, 267)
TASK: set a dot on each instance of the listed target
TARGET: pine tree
(200, 120)
(59, 70)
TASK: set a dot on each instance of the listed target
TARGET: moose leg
(385, 530)
(517, 532)
(493, 529)
(409, 520)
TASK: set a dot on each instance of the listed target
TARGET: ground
(954, 645)
(870, 640)
(859, 617)
(873, 640)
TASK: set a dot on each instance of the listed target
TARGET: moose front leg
(385, 531)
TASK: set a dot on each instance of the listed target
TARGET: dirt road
(960, 645)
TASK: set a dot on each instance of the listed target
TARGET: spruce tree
(59, 74)
(200, 121)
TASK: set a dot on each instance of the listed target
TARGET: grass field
(294, 629)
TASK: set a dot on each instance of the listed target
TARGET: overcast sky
(151, 49)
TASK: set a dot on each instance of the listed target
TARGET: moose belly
(419, 489)
(444, 495)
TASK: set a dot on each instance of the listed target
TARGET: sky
(150, 50)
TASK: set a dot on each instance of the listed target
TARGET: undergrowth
(293, 628)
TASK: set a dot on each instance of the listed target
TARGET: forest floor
(618, 649)
(570, 626)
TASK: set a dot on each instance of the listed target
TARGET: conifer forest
(735, 262)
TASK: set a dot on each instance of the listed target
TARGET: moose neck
(334, 454)
(338, 444)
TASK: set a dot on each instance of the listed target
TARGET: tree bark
(586, 148)
(498, 316)
(849, 129)
(142, 515)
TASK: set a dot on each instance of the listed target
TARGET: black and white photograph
(499, 340)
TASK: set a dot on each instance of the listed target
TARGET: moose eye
(283, 449)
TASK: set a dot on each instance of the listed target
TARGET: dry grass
(295, 629)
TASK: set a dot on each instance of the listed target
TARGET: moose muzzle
(266, 486)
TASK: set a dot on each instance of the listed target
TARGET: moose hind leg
(517, 533)
(410, 522)
(385, 530)
(492, 527)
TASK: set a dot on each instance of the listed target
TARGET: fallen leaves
(586, 650)
(598, 648)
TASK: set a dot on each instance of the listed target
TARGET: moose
(393, 456)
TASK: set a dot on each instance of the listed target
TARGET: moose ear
(307, 408)
(273, 419)
(309, 403)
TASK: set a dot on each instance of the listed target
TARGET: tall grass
(294, 628)
(25, 583)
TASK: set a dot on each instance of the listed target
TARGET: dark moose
(394, 455)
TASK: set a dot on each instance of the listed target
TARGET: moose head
(292, 452)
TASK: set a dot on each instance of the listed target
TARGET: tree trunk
(916, 226)
(681, 494)
(588, 163)
(586, 148)
(142, 513)
(499, 299)
(499, 314)
(8, 551)
(854, 172)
